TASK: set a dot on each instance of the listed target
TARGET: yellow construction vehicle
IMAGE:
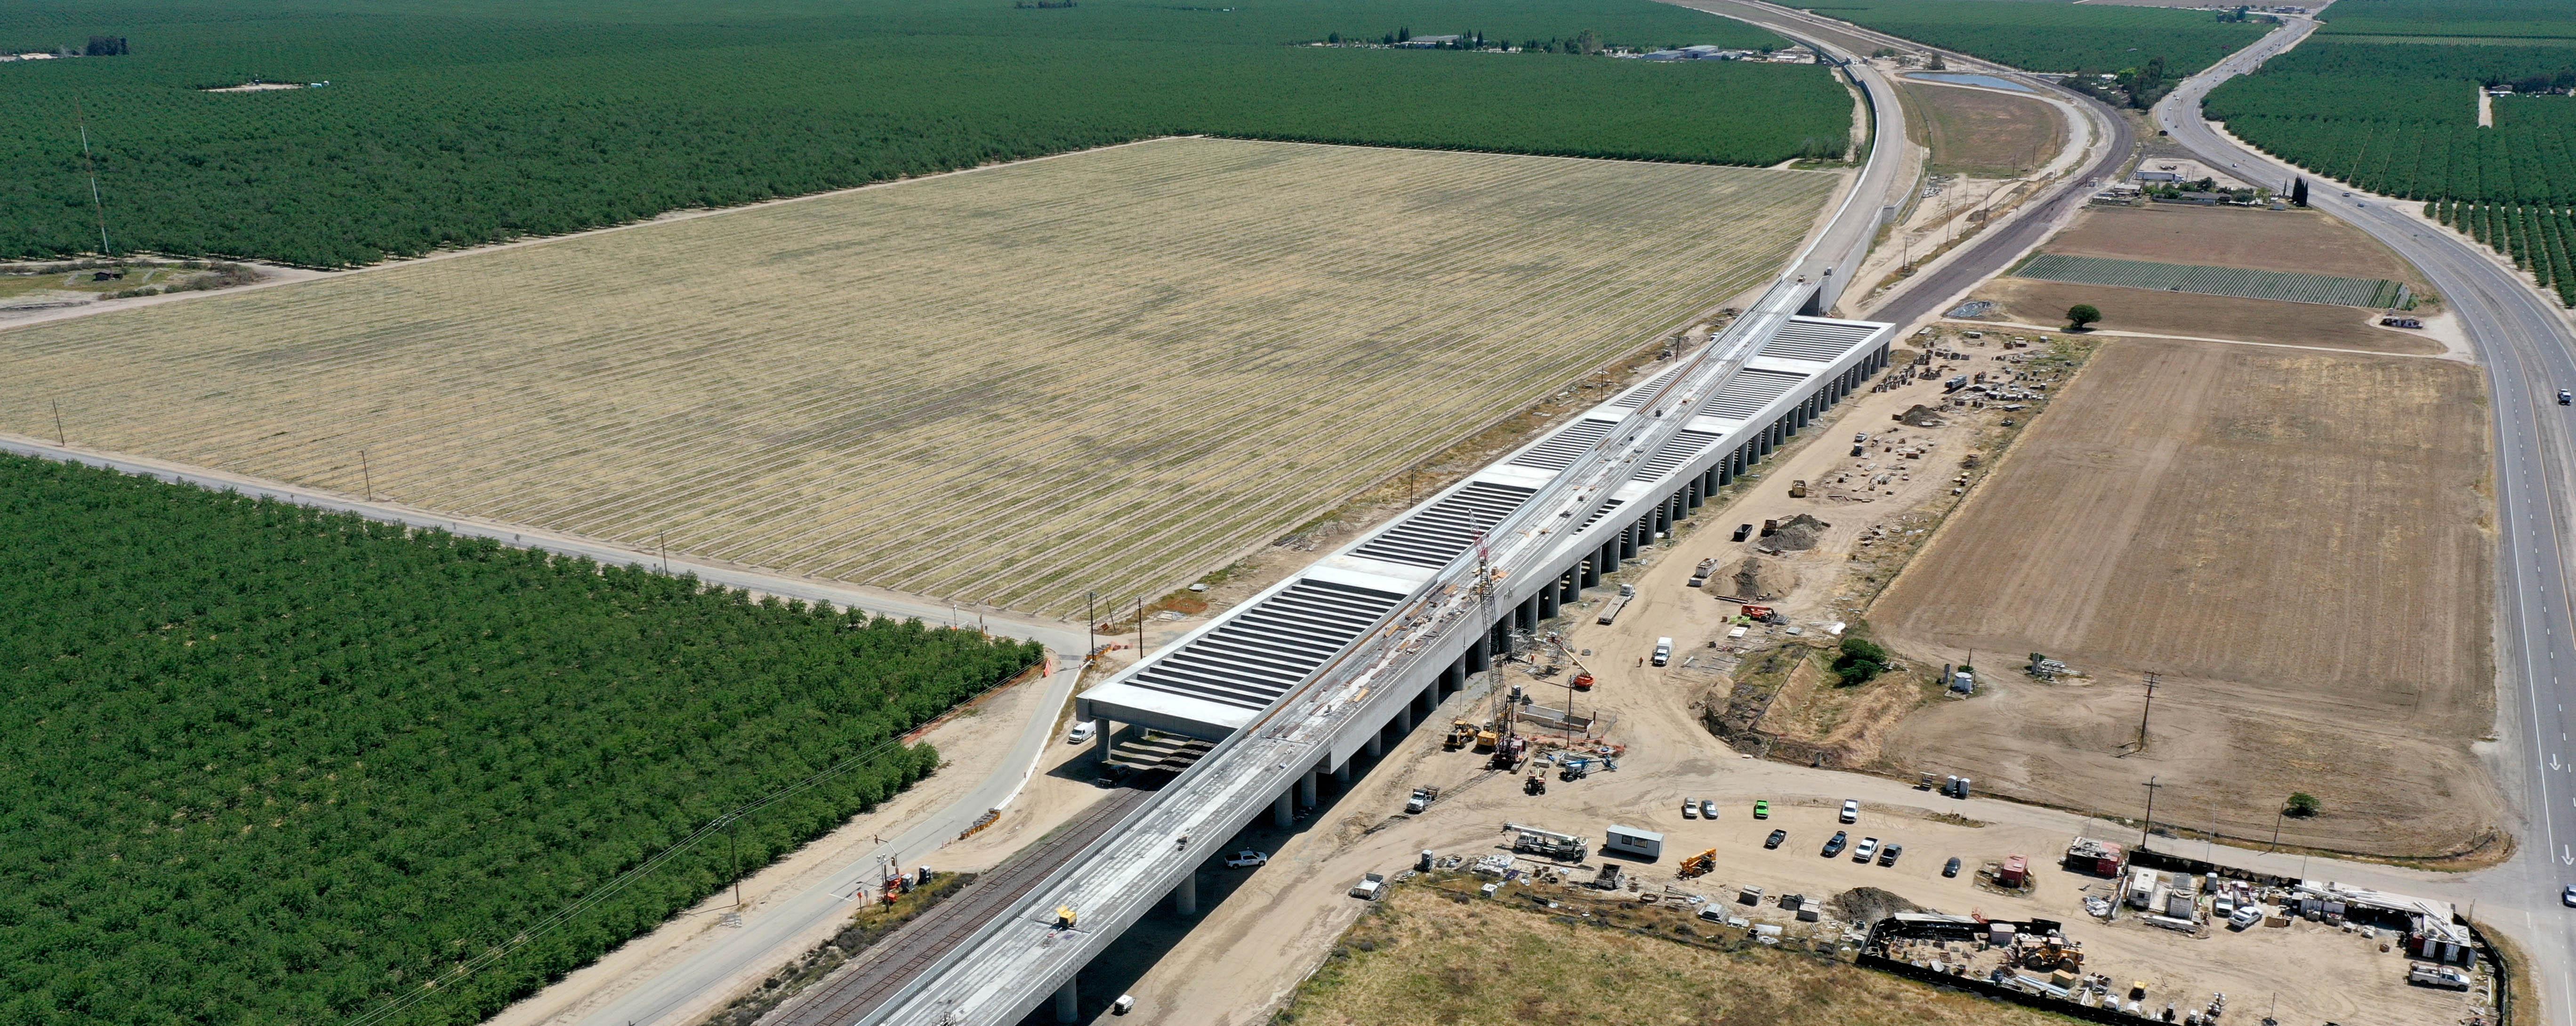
(1697, 865)
(1461, 734)
(1486, 738)
(2052, 954)
(1064, 917)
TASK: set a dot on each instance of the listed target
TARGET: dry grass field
(2299, 542)
(2301, 241)
(1112, 370)
(1424, 957)
(2147, 311)
(1981, 133)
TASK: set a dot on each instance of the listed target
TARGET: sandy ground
(1984, 133)
(858, 386)
(2225, 516)
(2147, 311)
(967, 744)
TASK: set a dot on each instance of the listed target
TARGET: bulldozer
(2052, 953)
(1461, 734)
(1697, 865)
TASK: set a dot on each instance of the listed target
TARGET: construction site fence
(2152, 859)
(1889, 928)
(2503, 972)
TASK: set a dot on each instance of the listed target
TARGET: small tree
(2299, 193)
(2304, 805)
(1860, 661)
(1336, 40)
(2082, 315)
(1938, 64)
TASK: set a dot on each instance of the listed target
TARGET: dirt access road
(2298, 542)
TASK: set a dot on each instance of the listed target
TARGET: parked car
(1861, 437)
(1690, 808)
(1851, 810)
(1867, 847)
(1708, 808)
(1887, 856)
(1952, 868)
(1762, 809)
(2568, 896)
(1080, 733)
(2565, 397)
(1247, 859)
(2244, 917)
(1835, 846)
(1774, 840)
(1126, 1003)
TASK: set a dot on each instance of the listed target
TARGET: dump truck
(1798, 489)
(1370, 887)
(1422, 799)
(1701, 573)
(1610, 610)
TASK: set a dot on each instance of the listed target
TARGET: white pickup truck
(1663, 651)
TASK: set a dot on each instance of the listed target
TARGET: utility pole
(58, 423)
(662, 542)
(1140, 628)
(368, 477)
(2150, 826)
(2142, 714)
(2276, 829)
(1090, 624)
(733, 856)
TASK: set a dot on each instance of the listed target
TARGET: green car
(1762, 810)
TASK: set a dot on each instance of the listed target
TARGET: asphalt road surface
(2529, 353)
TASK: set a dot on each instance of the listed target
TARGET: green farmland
(2401, 118)
(453, 124)
(265, 765)
(2215, 281)
(2042, 35)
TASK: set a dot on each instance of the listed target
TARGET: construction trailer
(1644, 844)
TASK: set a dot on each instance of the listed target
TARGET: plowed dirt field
(2299, 542)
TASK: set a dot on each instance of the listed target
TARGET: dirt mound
(1868, 905)
(1758, 578)
(1921, 416)
(1796, 534)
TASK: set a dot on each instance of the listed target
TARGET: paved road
(2529, 354)
(769, 930)
(1998, 247)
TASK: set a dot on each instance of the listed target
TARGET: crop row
(496, 122)
(2054, 36)
(2216, 281)
(270, 765)
(2537, 238)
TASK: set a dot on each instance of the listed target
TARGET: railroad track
(874, 974)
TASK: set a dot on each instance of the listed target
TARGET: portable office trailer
(1632, 841)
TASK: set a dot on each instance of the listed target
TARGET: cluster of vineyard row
(2054, 36)
(2537, 238)
(264, 764)
(489, 123)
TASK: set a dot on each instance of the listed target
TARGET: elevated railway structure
(1329, 663)
(1296, 683)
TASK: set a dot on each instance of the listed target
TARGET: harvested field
(1112, 371)
(2146, 311)
(1981, 133)
(2295, 241)
(1436, 956)
(2298, 542)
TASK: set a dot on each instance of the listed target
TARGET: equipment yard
(2297, 542)
(1111, 371)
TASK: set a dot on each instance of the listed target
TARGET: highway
(2529, 354)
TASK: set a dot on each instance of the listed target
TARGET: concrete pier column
(1342, 777)
(1628, 542)
(1306, 788)
(1708, 483)
(1546, 599)
(1480, 656)
(1530, 614)
(1068, 1003)
(1591, 572)
(1569, 587)
(1691, 492)
(1283, 812)
(1185, 898)
(1376, 746)
(1454, 679)
(1609, 558)
(1672, 510)
(1404, 721)
(1100, 739)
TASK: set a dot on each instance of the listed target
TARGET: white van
(1663, 651)
(1080, 733)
